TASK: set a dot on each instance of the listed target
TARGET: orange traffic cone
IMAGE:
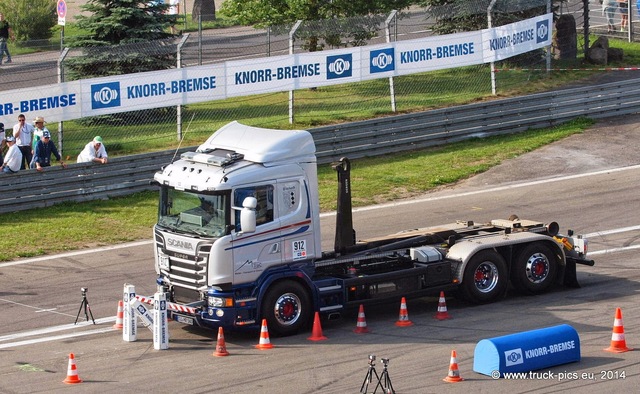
(618, 343)
(119, 316)
(264, 337)
(442, 313)
(316, 333)
(221, 348)
(72, 372)
(454, 374)
(361, 325)
(403, 320)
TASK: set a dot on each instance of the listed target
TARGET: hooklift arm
(345, 234)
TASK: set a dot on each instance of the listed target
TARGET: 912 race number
(299, 249)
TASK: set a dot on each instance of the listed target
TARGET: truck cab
(201, 245)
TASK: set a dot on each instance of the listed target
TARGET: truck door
(296, 220)
(254, 252)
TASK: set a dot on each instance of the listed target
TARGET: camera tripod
(384, 382)
(369, 377)
(87, 309)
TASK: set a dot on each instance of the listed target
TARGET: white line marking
(49, 330)
(492, 190)
(609, 232)
(607, 251)
(55, 338)
(75, 253)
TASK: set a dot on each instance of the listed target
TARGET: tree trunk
(206, 8)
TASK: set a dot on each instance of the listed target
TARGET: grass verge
(73, 226)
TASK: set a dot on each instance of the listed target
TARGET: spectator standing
(38, 131)
(23, 133)
(3, 141)
(42, 156)
(5, 34)
(94, 151)
(624, 13)
(174, 9)
(609, 8)
(13, 158)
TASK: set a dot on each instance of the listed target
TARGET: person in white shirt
(94, 151)
(13, 157)
(23, 133)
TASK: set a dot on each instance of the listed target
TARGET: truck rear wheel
(485, 277)
(535, 269)
(287, 308)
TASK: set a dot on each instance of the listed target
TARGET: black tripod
(370, 373)
(85, 304)
(384, 382)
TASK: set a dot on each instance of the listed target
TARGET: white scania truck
(238, 240)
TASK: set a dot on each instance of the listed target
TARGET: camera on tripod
(85, 305)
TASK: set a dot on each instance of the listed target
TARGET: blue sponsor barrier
(527, 351)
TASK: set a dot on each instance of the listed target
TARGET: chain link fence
(156, 129)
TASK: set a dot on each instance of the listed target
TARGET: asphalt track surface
(587, 182)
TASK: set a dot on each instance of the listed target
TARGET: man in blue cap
(42, 153)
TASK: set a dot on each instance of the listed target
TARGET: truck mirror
(248, 215)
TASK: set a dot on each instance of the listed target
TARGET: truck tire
(485, 277)
(534, 269)
(287, 308)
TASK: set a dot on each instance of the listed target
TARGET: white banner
(152, 89)
(505, 41)
(156, 89)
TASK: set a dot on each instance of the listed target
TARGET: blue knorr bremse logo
(513, 357)
(382, 60)
(542, 31)
(105, 95)
(340, 66)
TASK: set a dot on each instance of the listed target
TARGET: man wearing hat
(94, 151)
(23, 133)
(12, 159)
(44, 148)
(40, 128)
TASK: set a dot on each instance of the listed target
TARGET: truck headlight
(220, 302)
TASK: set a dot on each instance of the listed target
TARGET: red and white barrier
(569, 69)
(170, 305)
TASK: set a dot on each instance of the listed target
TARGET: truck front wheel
(485, 277)
(287, 308)
(535, 269)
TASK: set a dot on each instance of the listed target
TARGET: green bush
(30, 20)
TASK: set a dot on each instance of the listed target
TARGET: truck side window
(264, 210)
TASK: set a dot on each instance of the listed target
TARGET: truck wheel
(485, 277)
(287, 308)
(534, 269)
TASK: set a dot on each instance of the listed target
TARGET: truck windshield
(194, 213)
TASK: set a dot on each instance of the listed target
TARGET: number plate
(163, 262)
(184, 320)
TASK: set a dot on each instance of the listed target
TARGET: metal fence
(130, 174)
(156, 129)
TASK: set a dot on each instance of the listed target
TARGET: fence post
(550, 45)
(292, 33)
(184, 39)
(61, 58)
(387, 23)
(492, 64)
